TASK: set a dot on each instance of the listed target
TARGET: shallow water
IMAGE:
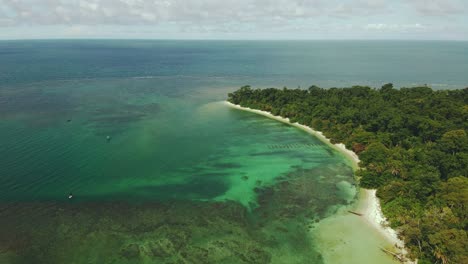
(160, 147)
(169, 158)
(182, 178)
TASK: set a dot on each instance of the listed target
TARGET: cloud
(394, 27)
(440, 7)
(212, 12)
(294, 18)
(361, 7)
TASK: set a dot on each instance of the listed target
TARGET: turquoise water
(161, 146)
(160, 169)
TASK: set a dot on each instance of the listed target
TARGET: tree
(413, 147)
(454, 141)
(454, 193)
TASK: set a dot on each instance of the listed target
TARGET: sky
(235, 19)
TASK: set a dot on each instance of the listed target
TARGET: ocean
(160, 170)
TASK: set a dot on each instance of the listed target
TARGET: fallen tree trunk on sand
(399, 257)
(359, 214)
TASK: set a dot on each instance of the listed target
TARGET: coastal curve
(368, 204)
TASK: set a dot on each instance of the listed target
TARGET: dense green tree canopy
(413, 147)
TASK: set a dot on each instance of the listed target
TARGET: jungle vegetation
(413, 147)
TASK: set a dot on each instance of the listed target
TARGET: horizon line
(228, 39)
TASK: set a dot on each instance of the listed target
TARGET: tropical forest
(413, 148)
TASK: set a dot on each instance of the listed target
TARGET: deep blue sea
(271, 63)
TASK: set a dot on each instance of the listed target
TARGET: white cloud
(108, 12)
(89, 5)
(440, 7)
(361, 7)
(330, 18)
(394, 27)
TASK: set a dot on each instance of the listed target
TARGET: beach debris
(245, 177)
(69, 120)
(70, 195)
(108, 138)
(397, 256)
(359, 214)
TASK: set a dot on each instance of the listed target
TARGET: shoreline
(368, 203)
(353, 157)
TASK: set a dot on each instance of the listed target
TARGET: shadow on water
(115, 119)
(35, 107)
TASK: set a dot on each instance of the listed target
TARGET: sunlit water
(162, 171)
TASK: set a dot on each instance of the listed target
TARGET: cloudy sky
(235, 19)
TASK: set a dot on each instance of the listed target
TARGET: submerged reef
(276, 231)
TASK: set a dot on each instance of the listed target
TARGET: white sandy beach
(368, 203)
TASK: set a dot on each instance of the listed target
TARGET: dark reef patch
(177, 231)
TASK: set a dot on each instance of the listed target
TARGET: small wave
(146, 77)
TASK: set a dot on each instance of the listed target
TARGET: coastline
(353, 157)
(368, 203)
